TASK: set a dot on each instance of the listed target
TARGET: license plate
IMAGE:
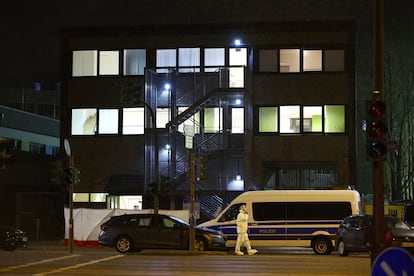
(407, 244)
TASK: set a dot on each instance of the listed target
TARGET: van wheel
(123, 244)
(322, 246)
(341, 249)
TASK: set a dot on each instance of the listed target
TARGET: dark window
(269, 211)
(318, 210)
(263, 211)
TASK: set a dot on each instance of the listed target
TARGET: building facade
(257, 106)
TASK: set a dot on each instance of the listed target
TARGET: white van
(305, 218)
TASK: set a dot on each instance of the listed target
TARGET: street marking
(62, 269)
(36, 263)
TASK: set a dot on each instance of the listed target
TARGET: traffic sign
(393, 261)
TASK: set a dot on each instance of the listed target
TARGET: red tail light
(388, 238)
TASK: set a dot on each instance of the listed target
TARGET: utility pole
(192, 198)
(378, 165)
(68, 151)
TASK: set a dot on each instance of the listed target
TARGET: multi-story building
(259, 106)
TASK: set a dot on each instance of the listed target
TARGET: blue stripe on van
(281, 230)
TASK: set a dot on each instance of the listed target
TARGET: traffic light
(67, 176)
(56, 172)
(202, 172)
(76, 176)
(376, 130)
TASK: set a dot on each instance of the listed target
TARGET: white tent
(87, 222)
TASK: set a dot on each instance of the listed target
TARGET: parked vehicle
(11, 238)
(305, 218)
(356, 233)
(407, 211)
(143, 231)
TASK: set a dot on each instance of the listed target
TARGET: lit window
(237, 59)
(98, 197)
(238, 56)
(163, 117)
(80, 197)
(213, 59)
(133, 120)
(237, 120)
(134, 62)
(212, 119)
(108, 121)
(312, 60)
(84, 121)
(290, 119)
(334, 119)
(189, 60)
(193, 121)
(166, 58)
(268, 119)
(109, 63)
(84, 63)
(334, 60)
(312, 119)
(268, 61)
(289, 60)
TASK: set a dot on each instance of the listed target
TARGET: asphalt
(60, 245)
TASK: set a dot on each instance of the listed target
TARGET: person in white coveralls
(242, 236)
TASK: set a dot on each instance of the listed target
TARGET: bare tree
(399, 95)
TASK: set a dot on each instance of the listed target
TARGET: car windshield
(394, 222)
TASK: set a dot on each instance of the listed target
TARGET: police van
(289, 218)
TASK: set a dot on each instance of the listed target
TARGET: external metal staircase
(198, 92)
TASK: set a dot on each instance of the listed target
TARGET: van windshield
(231, 213)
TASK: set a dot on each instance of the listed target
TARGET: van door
(268, 227)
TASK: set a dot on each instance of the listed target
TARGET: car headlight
(217, 236)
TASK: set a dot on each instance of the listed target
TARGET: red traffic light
(376, 108)
(377, 150)
(376, 129)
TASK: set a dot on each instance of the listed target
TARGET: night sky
(31, 30)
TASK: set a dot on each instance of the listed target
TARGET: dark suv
(142, 231)
(356, 233)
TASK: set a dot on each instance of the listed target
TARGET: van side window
(269, 211)
(318, 210)
(231, 213)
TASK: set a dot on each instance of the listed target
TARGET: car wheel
(200, 245)
(123, 244)
(341, 249)
(10, 245)
(322, 246)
